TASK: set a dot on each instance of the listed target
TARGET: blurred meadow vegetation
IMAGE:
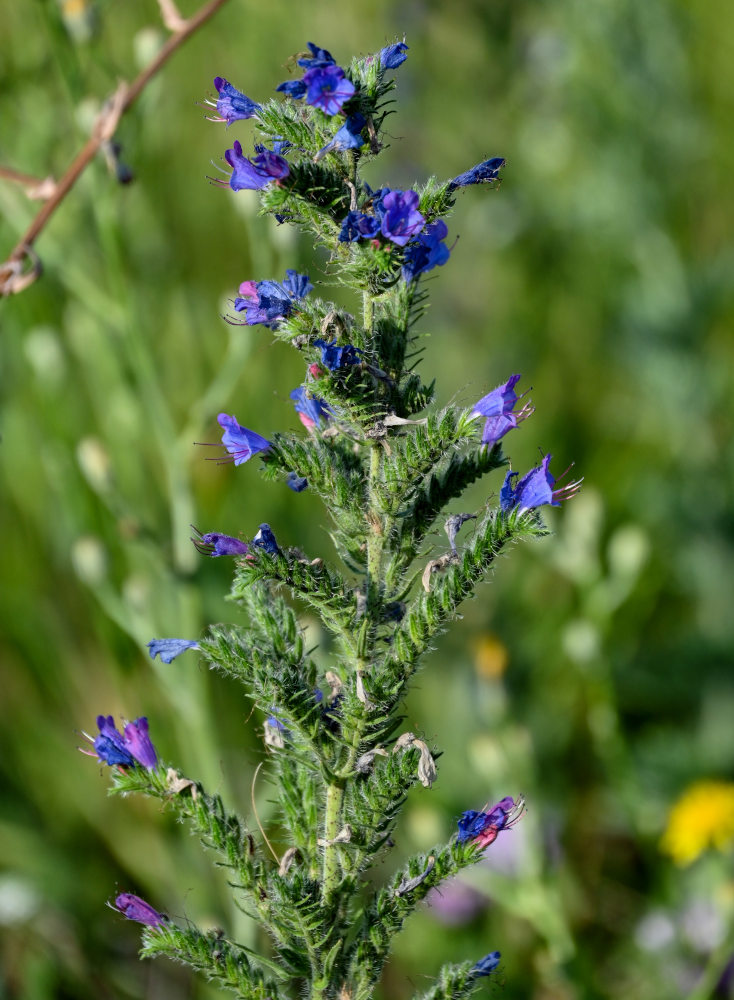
(594, 674)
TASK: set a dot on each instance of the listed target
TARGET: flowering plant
(339, 766)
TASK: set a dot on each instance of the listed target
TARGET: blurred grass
(601, 270)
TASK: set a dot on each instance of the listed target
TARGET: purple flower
(357, 226)
(499, 400)
(296, 483)
(265, 539)
(333, 357)
(135, 908)
(393, 56)
(349, 136)
(115, 749)
(268, 302)
(401, 219)
(328, 88)
(214, 543)
(138, 742)
(310, 409)
(232, 104)
(497, 406)
(292, 88)
(254, 174)
(427, 251)
(377, 198)
(110, 744)
(535, 489)
(483, 827)
(169, 649)
(487, 965)
(240, 442)
(486, 172)
(319, 58)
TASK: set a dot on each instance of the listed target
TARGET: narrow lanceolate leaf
(416, 518)
(222, 831)
(384, 916)
(220, 960)
(418, 453)
(429, 613)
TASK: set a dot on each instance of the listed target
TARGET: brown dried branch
(14, 273)
(171, 16)
(35, 187)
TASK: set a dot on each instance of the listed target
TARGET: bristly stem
(367, 315)
(375, 535)
(332, 868)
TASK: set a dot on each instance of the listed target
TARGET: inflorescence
(385, 474)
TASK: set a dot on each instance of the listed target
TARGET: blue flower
(133, 748)
(169, 649)
(471, 825)
(110, 744)
(483, 827)
(232, 104)
(499, 400)
(254, 174)
(486, 172)
(535, 489)
(319, 58)
(240, 442)
(296, 483)
(310, 409)
(274, 722)
(135, 908)
(357, 226)
(393, 55)
(401, 219)
(487, 965)
(214, 543)
(349, 136)
(293, 88)
(497, 406)
(334, 357)
(427, 251)
(268, 302)
(265, 539)
(378, 200)
(297, 285)
(328, 88)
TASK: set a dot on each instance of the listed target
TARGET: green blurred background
(593, 674)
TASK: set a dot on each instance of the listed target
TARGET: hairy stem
(332, 822)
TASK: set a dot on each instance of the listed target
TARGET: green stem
(368, 314)
(375, 533)
(332, 825)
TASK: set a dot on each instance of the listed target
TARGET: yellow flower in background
(490, 657)
(702, 817)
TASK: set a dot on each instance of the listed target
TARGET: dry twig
(15, 275)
